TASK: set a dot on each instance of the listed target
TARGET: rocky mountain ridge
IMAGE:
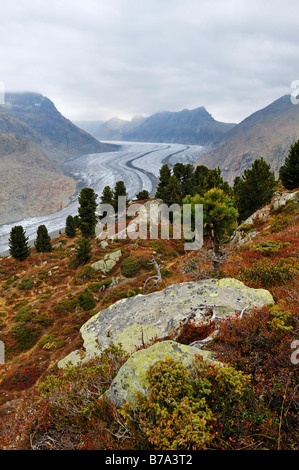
(195, 126)
(267, 133)
(35, 139)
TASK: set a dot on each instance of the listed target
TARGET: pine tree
(289, 172)
(107, 196)
(206, 179)
(70, 226)
(255, 189)
(173, 191)
(43, 240)
(87, 212)
(77, 221)
(144, 194)
(219, 219)
(83, 250)
(186, 176)
(18, 243)
(164, 175)
(119, 190)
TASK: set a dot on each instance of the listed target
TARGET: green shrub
(86, 300)
(43, 275)
(133, 292)
(66, 305)
(268, 273)
(10, 281)
(25, 335)
(269, 246)
(45, 319)
(280, 316)
(26, 284)
(24, 314)
(131, 266)
(50, 343)
(86, 273)
(182, 404)
(97, 286)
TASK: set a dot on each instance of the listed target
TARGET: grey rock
(131, 377)
(135, 321)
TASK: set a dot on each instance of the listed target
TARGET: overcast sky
(97, 59)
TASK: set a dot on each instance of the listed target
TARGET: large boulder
(131, 377)
(134, 321)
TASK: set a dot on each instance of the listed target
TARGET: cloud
(104, 58)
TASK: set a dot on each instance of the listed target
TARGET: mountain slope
(59, 137)
(267, 133)
(195, 126)
(30, 183)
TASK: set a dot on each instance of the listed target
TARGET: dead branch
(157, 276)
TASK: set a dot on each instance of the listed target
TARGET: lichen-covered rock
(135, 321)
(108, 262)
(131, 377)
(281, 200)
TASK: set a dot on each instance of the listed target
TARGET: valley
(137, 164)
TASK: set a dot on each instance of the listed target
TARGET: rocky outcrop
(108, 262)
(281, 200)
(263, 215)
(137, 320)
(131, 377)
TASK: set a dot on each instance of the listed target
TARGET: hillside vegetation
(253, 405)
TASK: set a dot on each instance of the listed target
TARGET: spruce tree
(70, 226)
(255, 189)
(289, 172)
(43, 240)
(164, 175)
(18, 243)
(87, 212)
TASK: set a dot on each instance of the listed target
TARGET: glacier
(136, 163)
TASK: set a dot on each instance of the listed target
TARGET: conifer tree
(77, 221)
(107, 196)
(18, 243)
(255, 189)
(219, 219)
(70, 226)
(119, 190)
(164, 175)
(289, 172)
(186, 176)
(172, 191)
(83, 250)
(43, 240)
(206, 179)
(87, 212)
(144, 194)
